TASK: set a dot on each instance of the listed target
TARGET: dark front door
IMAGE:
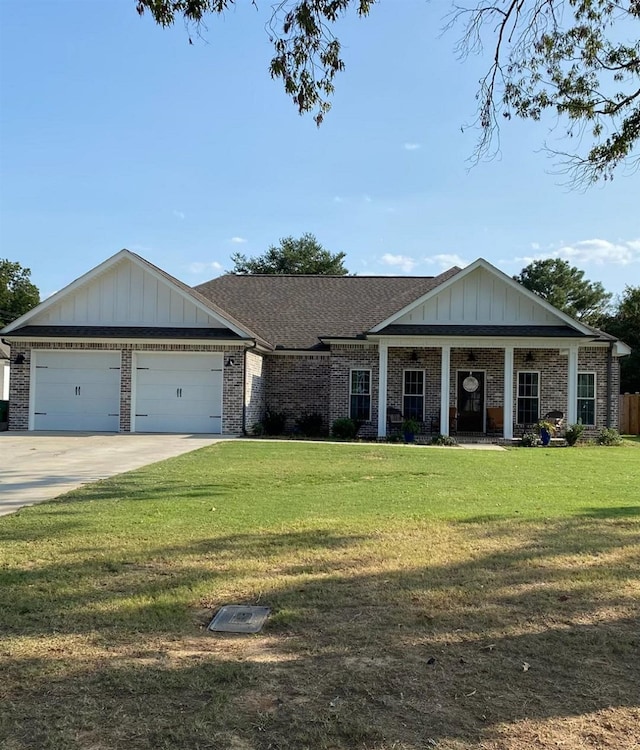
(471, 401)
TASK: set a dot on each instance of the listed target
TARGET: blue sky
(116, 133)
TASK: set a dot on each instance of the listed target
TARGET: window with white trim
(360, 395)
(586, 398)
(528, 397)
(413, 395)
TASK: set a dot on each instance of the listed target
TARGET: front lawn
(421, 597)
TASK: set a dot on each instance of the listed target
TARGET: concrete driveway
(37, 466)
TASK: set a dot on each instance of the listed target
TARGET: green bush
(529, 440)
(274, 422)
(311, 425)
(344, 428)
(609, 436)
(573, 433)
(443, 440)
(257, 429)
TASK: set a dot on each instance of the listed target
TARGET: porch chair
(394, 420)
(495, 418)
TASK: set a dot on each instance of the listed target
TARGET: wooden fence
(630, 414)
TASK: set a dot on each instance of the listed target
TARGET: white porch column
(445, 368)
(507, 417)
(383, 360)
(572, 386)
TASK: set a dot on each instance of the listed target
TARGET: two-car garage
(176, 392)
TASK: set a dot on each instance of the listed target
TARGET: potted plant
(409, 428)
(545, 429)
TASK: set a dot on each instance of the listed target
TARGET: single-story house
(129, 348)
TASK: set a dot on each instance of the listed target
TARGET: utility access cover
(235, 618)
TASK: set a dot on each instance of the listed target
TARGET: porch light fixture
(529, 357)
(19, 360)
(229, 362)
(471, 357)
(414, 356)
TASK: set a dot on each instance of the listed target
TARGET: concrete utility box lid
(235, 618)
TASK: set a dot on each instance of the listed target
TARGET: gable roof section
(295, 311)
(511, 283)
(4, 351)
(202, 303)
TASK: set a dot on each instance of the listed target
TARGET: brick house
(129, 348)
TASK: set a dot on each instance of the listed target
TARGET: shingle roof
(527, 331)
(293, 312)
(123, 332)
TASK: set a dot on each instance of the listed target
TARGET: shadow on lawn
(354, 657)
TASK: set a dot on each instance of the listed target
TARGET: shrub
(274, 422)
(257, 429)
(443, 440)
(529, 440)
(311, 425)
(344, 428)
(573, 433)
(609, 436)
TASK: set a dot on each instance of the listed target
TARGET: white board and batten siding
(177, 392)
(479, 298)
(127, 295)
(77, 391)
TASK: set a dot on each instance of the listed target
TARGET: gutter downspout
(609, 377)
(244, 385)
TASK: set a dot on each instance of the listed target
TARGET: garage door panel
(77, 391)
(176, 393)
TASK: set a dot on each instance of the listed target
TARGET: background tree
(297, 256)
(565, 287)
(17, 294)
(579, 59)
(625, 324)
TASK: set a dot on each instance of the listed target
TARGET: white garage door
(77, 391)
(178, 393)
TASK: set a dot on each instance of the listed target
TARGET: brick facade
(19, 392)
(320, 382)
(297, 385)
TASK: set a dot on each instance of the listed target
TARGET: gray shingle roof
(294, 311)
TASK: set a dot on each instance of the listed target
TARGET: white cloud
(597, 252)
(447, 260)
(178, 214)
(199, 268)
(411, 146)
(535, 246)
(238, 240)
(404, 263)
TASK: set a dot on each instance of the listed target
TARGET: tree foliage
(624, 323)
(18, 294)
(565, 287)
(304, 255)
(578, 59)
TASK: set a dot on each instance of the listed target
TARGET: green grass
(409, 588)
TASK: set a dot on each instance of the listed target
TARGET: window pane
(413, 382)
(586, 411)
(360, 382)
(528, 397)
(413, 407)
(360, 408)
(586, 385)
(527, 410)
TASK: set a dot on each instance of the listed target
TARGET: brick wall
(344, 358)
(19, 391)
(254, 399)
(297, 385)
(428, 360)
(594, 359)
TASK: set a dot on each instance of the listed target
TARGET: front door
(470, 401)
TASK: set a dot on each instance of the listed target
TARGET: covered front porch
(475, 388)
